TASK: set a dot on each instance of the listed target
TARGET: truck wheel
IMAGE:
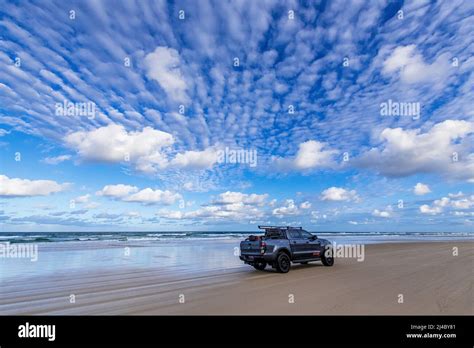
(327, 261)
(283, 263)
(260, 265)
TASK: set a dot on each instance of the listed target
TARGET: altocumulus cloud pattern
(220, 114)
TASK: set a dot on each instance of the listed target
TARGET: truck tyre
(327, 261)
(283, 263)
(260, 265)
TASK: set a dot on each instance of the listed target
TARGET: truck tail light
(263, 247)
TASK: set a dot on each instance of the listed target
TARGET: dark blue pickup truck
(280, 246)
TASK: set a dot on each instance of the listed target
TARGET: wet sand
(430, 278)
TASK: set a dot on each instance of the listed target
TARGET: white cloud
(408, 152)
(113, 143)
(443, 203)
(413, 69)
(230, 212)
(171, 214)
(196, 159)
(463, 213)
(147, 150)
(228, 206)
(82, 199)
(238, 197)
(383, 213)
(3, 132)
(456, 195)
(426, 209)
(421, 189)
(339, 194)
(163, 66)
(57, 159)
(150, 196)
(91, 205)
(289, 208)
(316, 215)
(305, 205)
(15, 187)
(117, 191)
(188, 186)
(311, 154)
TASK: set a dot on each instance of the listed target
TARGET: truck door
(312, 245)
(297, 244)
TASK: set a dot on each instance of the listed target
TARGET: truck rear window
(275, 234)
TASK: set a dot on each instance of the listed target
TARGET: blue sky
(119, 115)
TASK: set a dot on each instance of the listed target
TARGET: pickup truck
(280, 246)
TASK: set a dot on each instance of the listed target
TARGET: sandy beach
(430, 278)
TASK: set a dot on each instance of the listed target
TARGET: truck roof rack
(279, 227)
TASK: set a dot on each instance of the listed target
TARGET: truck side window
(294, 234)
(306, 235)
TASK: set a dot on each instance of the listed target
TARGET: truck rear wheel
(283, 263)
(260, 265)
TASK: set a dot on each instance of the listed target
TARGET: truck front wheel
(327, 258)
(283, 263)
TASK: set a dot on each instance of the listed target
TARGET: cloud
(56, 160)
(339, 194)
(146, 150)
(51, 220)
(239, 197)
(79, 212)
(444, 149)
(195, 159)
(82, 199)
(383, 213)
(163, 66)
(91, 205)
(412, 68)
(128, 193)
(117, 191)
(290, 208)
(305, 205)
(421, 189)
(172, 214)
(114, 144)
(15, 187)
(311, 154)
(150, 196)
(108, 216)
(426, 209)
(228, 206)
(438, 206)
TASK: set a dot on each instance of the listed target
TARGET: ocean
(348, 237)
